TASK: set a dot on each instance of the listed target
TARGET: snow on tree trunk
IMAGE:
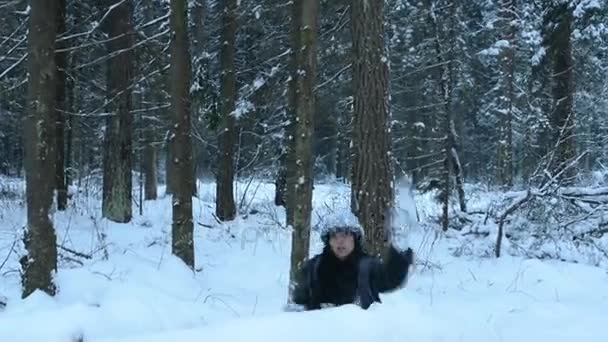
(225, 208)
(288, 158)
(301, 182)
(117, 182)
(180, 139)
(40, 262)
(372, 192)
(507, 94)
(563, 89)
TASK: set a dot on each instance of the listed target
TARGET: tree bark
(199, 11)
(150, 187)
(39, 136)
(342, 149)
(71, 123)
(287, 159)
(60, 109)
(149, 130)
(372, 181)
(280, 184)
(225, 208)
(181, 137)
(117, 182)
(168, 166)
(507, 60)
(302, 180)
(563, 92)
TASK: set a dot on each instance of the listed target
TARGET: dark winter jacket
(358, 279)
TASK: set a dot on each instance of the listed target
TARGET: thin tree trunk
(150, 165)
(280, 184)
(117, 181)
(286, 159)
(302, 180)
(60, 108)
(225, 208)
(39, 136)
(199, 9)
(505, 151)
(69, 173)
(168, 166)
(451, 162)
(342, 166)
(181, 138)
(372, 181)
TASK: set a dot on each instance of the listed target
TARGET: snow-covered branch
(515, 204)
(5, 72)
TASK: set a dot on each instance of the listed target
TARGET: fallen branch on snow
(516, 204)
(78, 254)
(596, 196)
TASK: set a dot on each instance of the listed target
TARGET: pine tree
(118, 144)
(301, 182)
(181, 139)
(40, 263)
(225, 208)
(372, 192)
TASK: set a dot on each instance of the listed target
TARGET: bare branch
(5, 72)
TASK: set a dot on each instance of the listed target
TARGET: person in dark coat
(345, 274)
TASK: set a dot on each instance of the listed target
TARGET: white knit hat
(341, 221)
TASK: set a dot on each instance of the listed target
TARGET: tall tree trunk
(168, 166)
(563, 92)
(451, 163)
(117, 182)
(71, 104)
(60, 109)
(286, 160)
(149, 130)
(342, 150)
(225, 208)
(199, 9)
(280, 184)
(39, 136)
(507, 94)
(150, 165)
(302, 180)
(372, 180)
(181, 137)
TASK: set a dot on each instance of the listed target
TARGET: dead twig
(9, 254)
(514, 206)
(70, 259)
(78, 254)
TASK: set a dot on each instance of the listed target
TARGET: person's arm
(302, 288)
(393, 272)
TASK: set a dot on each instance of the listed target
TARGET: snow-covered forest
(166, 166)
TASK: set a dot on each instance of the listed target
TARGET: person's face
(342, 244)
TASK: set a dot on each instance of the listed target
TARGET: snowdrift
(132, 288)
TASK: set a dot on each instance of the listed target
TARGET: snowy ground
(133, 289)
